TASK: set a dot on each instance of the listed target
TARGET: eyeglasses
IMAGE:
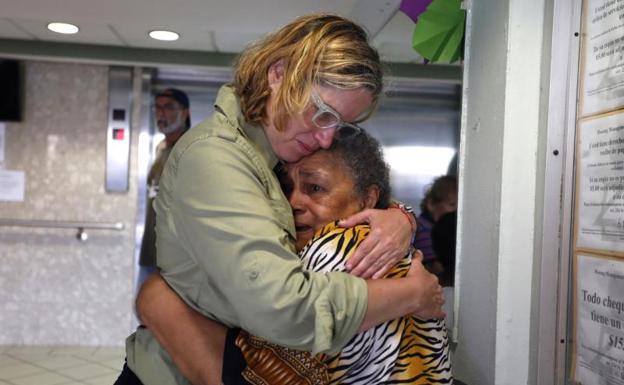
(326, 117)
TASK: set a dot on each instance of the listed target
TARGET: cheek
(171, 116)
(323, 212)
(340, 206)
(298, 125)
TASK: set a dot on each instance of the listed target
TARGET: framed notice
(599, 321)
(600, 184)
(602, 85)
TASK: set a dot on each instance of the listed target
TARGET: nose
(296, 199)
(325, 137)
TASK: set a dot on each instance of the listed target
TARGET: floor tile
(19, 370)
(73, 350)
(102, 380)
(46, 378)
(6, 360)
(116, 364)
(58, 362)
(110, 352)
(87, 371)
(28, 350)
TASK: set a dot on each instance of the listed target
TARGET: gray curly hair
(363, 157)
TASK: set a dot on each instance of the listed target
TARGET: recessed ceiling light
(65, 28)
(164, 35)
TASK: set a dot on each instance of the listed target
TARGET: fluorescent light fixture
(419, 160)
(64, 28)
(161, 34)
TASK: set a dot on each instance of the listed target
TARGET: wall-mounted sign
(599, 321)
(12, 186)
(602, 87)
(600, 200)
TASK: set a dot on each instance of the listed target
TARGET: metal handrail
(81, 235)
(62, 224)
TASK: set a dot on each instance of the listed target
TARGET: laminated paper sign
(12, 186)
(600, 194)
(599, 320)
(602, 56)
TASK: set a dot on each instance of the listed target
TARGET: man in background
(172, 117)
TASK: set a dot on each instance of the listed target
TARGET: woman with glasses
(225, 230)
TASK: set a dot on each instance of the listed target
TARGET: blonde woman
(225, 231)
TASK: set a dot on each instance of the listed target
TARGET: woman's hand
(430, 295)
(387, 242)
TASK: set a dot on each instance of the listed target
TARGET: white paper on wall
(12, 185)
(599, 303)
(600, 210)
(603, 56)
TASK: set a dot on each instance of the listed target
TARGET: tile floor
(36, 365)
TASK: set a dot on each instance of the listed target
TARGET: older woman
(346, 178)
(225, 231)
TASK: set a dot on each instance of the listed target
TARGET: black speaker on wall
(10, 90)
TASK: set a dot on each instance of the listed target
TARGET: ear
(372, 197)
(276, 74)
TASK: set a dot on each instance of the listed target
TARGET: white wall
(54, 289)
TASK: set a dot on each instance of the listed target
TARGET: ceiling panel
(191, 37)
(10, 30)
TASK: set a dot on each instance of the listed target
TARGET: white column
(501, 180)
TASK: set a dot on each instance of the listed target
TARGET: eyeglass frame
(322, 108)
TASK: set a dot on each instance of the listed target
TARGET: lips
(302, 228)
(305, 149)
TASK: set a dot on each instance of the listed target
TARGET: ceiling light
(64, 28)
(164, 35)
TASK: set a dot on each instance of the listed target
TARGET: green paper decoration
(439, 32)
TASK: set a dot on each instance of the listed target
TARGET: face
(446, 206)
(300, 136)
(320, 190)
(170, 115)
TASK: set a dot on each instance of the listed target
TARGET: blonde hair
(322, 49)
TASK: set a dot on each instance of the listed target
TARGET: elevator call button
(118, 134)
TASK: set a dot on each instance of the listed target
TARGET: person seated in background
(443, 236)
(440, 198)
(346, 178)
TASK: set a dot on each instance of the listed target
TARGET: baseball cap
(180, 97)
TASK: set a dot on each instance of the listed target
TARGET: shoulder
(331, 246)
(213, 141)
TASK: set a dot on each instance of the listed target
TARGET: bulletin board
(597, 297)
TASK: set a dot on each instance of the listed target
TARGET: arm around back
(194, 342)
